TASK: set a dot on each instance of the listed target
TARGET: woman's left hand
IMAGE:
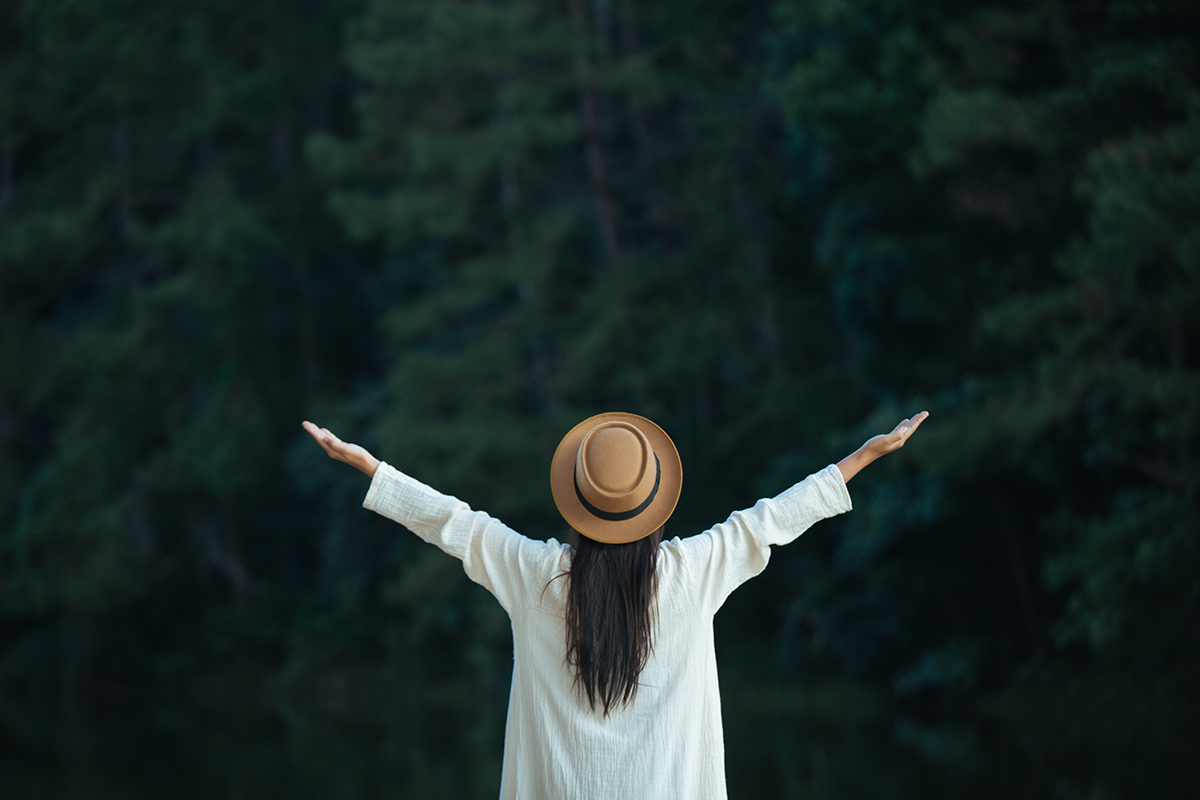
(352, 454)
(880, 445)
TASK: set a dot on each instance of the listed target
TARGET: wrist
(369, 464)
(867, 453)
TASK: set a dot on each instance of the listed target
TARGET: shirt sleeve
(493, 555)
(731, 553)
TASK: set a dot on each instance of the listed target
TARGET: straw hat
(616, 477)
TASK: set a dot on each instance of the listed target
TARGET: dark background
(450, 229)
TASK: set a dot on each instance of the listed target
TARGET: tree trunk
(629, 47)
(598, 170)
(6, 174)
(230, 557)
(286, 154)
(1025, 592)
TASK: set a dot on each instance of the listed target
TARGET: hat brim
(562, 483)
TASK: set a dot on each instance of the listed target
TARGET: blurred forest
(450, 229)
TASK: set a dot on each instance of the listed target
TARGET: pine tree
(569, 227)
(1044, 253)
(157, 248)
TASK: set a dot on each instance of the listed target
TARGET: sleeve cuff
(378, 490)
(404, 499)
(838, 489)
(819, 496)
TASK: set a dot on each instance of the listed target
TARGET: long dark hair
(610, 613)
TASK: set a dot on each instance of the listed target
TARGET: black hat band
(620, 516)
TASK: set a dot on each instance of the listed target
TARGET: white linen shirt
(668, 742)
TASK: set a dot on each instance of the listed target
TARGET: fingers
(906, 428)
(314, 432)
(899, 435)
(916, 421)
(330, 443)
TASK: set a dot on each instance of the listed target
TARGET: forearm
(853, 463)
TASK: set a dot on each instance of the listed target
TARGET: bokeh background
(450, 229)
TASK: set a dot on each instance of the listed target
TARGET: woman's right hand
(886, 443)
(352, 454)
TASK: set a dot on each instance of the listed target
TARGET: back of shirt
(665, 744)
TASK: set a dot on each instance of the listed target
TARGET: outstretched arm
(352, 454)
(504, 562)
(879, 445)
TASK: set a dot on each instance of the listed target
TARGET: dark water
(798, 743)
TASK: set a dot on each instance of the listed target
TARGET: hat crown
(615, 466)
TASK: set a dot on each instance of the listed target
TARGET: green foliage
(1124, 568)
(539, 270)
(954, 667)
(1052, 158)
(157, 296)
(543, 264)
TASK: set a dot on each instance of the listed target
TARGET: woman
(614, 691)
